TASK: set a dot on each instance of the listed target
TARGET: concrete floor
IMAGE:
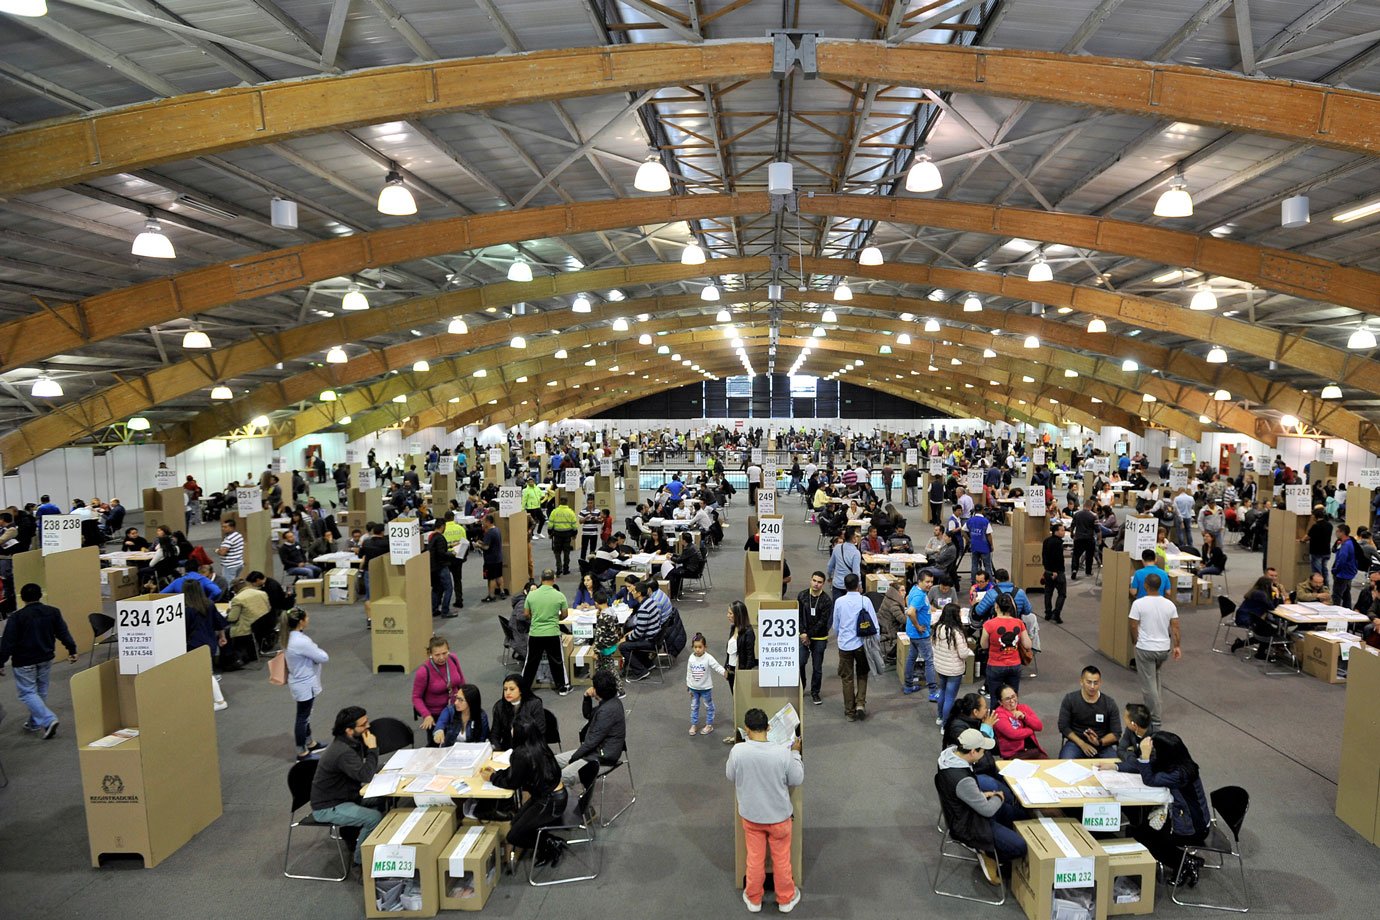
(869, 826)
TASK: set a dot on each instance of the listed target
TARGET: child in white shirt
(701, 684)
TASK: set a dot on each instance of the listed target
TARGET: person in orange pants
(762, 773)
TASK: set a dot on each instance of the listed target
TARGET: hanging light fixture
(903, 339)
(221, 392)
(46, 387)
(620, 325)
(652, 176)
(1203, 299)
(394, 198)
(282, 213)
(581, 305)
(24, 7)
(519, 271)
(195, 338)
(972, 305)
(1176, 201)
(1032, 341)
(663, 349)
(773, 292)
(780, 179)
(328, 396)
(723, 315)
(829, 316)
(139, 423)
(458, 327)
(1360, 339)
(931, 325)
(843, 292)
(955, 362)
(258, 421)
(1147, 397)
(336, 355)
(1293, 212)
(1070, 373)
(1129, 365)
(692, 254)
(400, 398)
(818, 332)
(482, 372)
(1224, 396)
(1289, 421)
(1204, 420)
(1331, 391)
(870, 255)
(644, 339)
(561, 354)
(1217, 355)
(354, 299)
(709, 292)
(1040, 271)
(344, 420)
(421, 367)
(988, 353)
(1096, 325)
(923, 175)
(152, 243)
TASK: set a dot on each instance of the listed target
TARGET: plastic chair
(1226, 624)
(959, 857)
(1229, 806)
(602, 781)
(299, 785)
(103, 629)
(581, 849)
(392, 734)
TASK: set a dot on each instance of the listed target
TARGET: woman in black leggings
(534, 771)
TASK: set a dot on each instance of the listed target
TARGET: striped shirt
(646, 623)
(662, 603)
(233, 544)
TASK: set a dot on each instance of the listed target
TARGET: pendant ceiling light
(458, 327)
(336, 355)
(344, 420)
(1176, 201)
(152, 243)
(818, 332)
(988, 353)
(394, 198)
(1129, 365)
(620, 325)
(843, 292)
(139, 423)
(931, 325)
(46, 387)
(709, 292)
(1032, 341)
(829, 316)
(1096, 325)
(561, 354)
(870, 255)
(195, 338)
(923, 175)
(581, 305)
(663, 349)
(1331, 391)
(1217, 355)
(723, 315)
(1040, 271)
(903, 339)
(354, 299)
(328, 396)
(24, 7)
(421, 367)
(1360, 339)
(1223, 396)
(644, 339)
(780, 179)
(221, 392)
(692, 254)
(652, 176)
(519, 271)
(1203, 299)
(972, 305)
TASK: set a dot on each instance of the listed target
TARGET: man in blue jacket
(1002, 585)
(1343, 567)
(29, 639)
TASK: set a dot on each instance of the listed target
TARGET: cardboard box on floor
(151, 794)
(118, 583)
(309, 591)
(467, 870)
(399, 611)
(1358, 780)
(1057, 850)
(426, 831)
(1130, 860)
(903, 650)
(71, 582)
(1320, 657)
(338, 594)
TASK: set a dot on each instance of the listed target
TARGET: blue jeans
(348, 814)
(982, 562)
(304, 571)
(32, 683)
(301, 726)
(1319, 564)
(997, 675)
(442, 589)
(695, 697)
(813, 654)
(920, 648)
(1071, 751)
(1009, 844)
(1185, 534)
(948, 692)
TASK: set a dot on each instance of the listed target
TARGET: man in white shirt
(1155, 632)
(754, 479)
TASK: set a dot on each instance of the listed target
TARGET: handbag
(277, 669)
(1027, 654)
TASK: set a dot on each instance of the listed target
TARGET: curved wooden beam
(82, 147)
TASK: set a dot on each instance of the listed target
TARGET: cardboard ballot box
(309, 591)
(400, 862)
(467, 870)
(1063, 863)
(341, 586)
(1131, 874)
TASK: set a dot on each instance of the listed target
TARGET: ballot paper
(465, 759)
(114, 738)
(1068, 792)
(1119, 849)
(421, 783)
(1036, 792)
(382, 784)
(503, 758)
(401, 760)
(490, 787)
(1069, 773)
(1093, 792)
(1129, 786)
(460, 787)
(1019, 769)
(781, 727)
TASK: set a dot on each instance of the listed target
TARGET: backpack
(674, 634)
(867, 624)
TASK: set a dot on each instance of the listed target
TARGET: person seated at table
(899, 542)
(463, 720)
(584, 594)
(133, 542)
(1256, 613)
(1016, 728)
(433, 681)
(944, 558)
(1163, 761)
(1313, 591)
(686, 562)
(294, 560)
(872, 543)
(212, 590)
(656, 543)
(972, 711)
(602, 740)
(701, 520)
(533, 771)
(1149, 565)
(982, 815)
(1089, 720)
(1213, 556)
(345, 767)
(638, 643)
(1137, 721)
(166, 561)
(518, 706)
(249, 605)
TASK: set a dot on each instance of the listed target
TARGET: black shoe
(1059, 619)
(1238, 645)
(814, 698)
(487, 599)
(449, 616)
(51, 731)
(861, 714)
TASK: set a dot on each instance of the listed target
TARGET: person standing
(854, 617)
(845, 560)
(762, 774)
(442, 584)
(754, 481)
(1004, 635)
(1084, 538)
(231, 552)
(981, 543)
(304, 659)
(493, 560)
(910, 478)
(816, 610)
(545, 605)
(888, 477)
(1056, 580)
(563, 524)
(1155, 632)
(434, 682)
(345, 768)
(936, 497)
(591, 522)
(30, 640)
(917, 617)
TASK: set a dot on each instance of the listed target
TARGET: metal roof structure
(519, 126)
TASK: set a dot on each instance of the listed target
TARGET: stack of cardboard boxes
(416, 864)
(1071, 875)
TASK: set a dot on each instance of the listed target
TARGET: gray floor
(869, 805)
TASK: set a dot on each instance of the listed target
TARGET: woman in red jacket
(1016, 727)
(434, 683)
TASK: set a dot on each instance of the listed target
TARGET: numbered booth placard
(778, 647)
(509, 500)
(912, 456)
(766, 501)
(150, 630)
(936, 467)
(975, 483)
(1296, 499)
(757, 455)
(634, 457)
(772, 538)
(1037, 456)
(1140, 534)
(277, 465)
(404, 540)
(393, 860)
(495, 456)
(1074, 872)
(367, 479)
(61, 532)
(1035, 501)
(247, 501)
(165, 479)
(538, 448)
(1178, 478)
(606, 466)
(1326, 455)
(353, 455)
(572, 480)
(1369, 477)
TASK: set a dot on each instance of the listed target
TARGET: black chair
(392, 734)
(1229, 806)
(601, 779)
(509, 652)
(1227, 623)
(944, 853)
(103, 629)
(553, 729)
(299, 785)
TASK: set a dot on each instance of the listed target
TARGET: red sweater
(429, 689)
(1012, 733)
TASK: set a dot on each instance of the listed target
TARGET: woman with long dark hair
(533, 770)
(205, 626)
(518, 704)
(1163, 760)
(463, 720)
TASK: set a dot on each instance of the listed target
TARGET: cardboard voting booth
(1358, 780)
(1028, 534)
(632, 484)
(1283, 549)
(517, 551)
(71, 582)
(603, 494)
(366, 501)
(149, 794)
(1114, 627)
(761, 577)
(399, 611)
(442, 490)
(164, 508)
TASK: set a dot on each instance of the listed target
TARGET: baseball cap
(971, 740)
(548, 574)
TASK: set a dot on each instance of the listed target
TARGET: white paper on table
(1036, 792)
(490, 787)
(503, 758)
(1068, 792)
(1069, 773)
(400, 760)
(421, 783)
(1119, 849)
(1093, 792)
(381, 785)
(1019, 769)
(460, 787)
(781, 727)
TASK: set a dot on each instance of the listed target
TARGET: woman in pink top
(434, 683)
(1016, 727)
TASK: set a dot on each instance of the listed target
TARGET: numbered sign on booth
(277, 465)
(634, 456)
(352, 455)
(1035, 501)
(778, 648)
(766, 501)
(1296, 499)
(404, 540)
(572, 480)
(414, 447)
(247, 501)
(1325, 455)
(61, 532)
(509, 500)
(1178, 478)
(1369, 477)
(897, 568)
(367, 479)
(1038, 456)
(1140, 534)
(495, 456)
(1066, 442)
(912, 456)
(975, 482)
(936, 467)
(772, 537)
(165, 479)
(1102, 464)
(150, 630)
(606, 466)
(757, 455)
(538, 448)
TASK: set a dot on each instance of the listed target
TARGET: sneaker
(909, 690)
(707, 730)
(643, 676)
(861, 714)
(31, 727)
(622, 694)
(565, 691)
(218, 707)
(1238, 645)
(938, 721)
(990, 870)
(317, 746)
(790, 905)
(814, 698)
(851, 717)
(694, 730)
(752, 908)
(51, 731)
(934, 696)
